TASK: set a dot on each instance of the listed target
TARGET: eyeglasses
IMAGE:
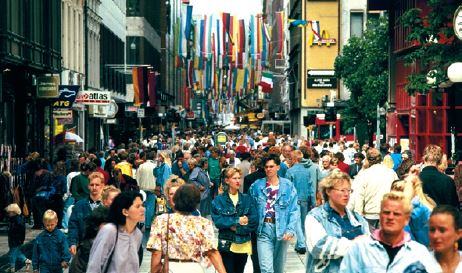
(270, 166)
(344, 191)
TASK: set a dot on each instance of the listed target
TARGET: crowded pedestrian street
(230, 136)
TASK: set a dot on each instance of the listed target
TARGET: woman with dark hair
(235, 215)
(201, 179)
(116, 246)
(445, 232)
(189, 237)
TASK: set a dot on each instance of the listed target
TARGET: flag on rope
(266, 81)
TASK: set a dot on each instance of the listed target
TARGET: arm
(220, 220)
(156, 261)
(322, 245)
(101, 249)
(252, 219)
(73, 227)
(215, 259)
(350, 262)
(35, 255)
(293, 212)
(66, 255)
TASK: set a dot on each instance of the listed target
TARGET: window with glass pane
(356, 24)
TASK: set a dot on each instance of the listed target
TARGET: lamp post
(455, 76)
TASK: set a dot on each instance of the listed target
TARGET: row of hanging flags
(225, 54)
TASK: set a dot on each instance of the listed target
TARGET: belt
(269, 220)
(181, 261)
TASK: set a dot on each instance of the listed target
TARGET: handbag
(224, 245)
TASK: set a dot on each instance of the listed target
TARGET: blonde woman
(422, 207)
(163, 170)
(170, 187)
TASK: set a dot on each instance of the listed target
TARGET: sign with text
(140, 112)
(67, 94)
(62, 113)
(93, 97)
(47, 87)
(321, 82)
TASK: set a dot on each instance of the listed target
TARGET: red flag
(152, 83)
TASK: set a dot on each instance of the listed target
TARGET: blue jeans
(150, 205)
(272, 253)
(300, 231)
(15, 254)
(69, 202)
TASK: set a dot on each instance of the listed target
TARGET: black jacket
(439, 187)
(16, 231)
(250, 178)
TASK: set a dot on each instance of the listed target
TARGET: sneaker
(28, 263)
(10, 270)
(301, 251)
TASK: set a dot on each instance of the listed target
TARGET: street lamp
(455, 76)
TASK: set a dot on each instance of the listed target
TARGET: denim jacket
(305, 176)
(225, 215)
(50, 249)
(324, 240)
(369, 255)
(286, 208)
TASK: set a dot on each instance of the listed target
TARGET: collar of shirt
(377, 235)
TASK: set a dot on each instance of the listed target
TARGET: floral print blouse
(188, 237)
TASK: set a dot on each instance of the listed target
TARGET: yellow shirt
(244, 248)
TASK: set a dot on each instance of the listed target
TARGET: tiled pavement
(295, 262)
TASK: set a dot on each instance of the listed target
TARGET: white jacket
(145, 176)
(369, 186)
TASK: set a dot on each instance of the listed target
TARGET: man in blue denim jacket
(278, 214)
(305, 176)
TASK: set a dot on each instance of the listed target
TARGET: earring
(456, 245)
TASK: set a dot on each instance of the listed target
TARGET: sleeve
(74, 187)
(209, 240)
(35, 254)
(253, 219)
(351, 263)
(454, 198)
(294, 212)
(220, 220)
(155, 238)
(66, 255)
(321, 245)
(101, 249)
(166, 174)
(73, 226)
(357, 199)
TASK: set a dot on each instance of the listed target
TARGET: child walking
(51, 250)
(16, 235)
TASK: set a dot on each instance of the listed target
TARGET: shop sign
(190, 115)
(457, 23)
(62, 113)
(131, 108)
(98, 111)
(140, 112)
(47, 87)
(221, 138)
(67, 94)
(110, 121)
(93, 97)
(321, 82)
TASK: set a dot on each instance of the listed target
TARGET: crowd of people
(195, 204)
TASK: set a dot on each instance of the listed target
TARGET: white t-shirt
(459, 267)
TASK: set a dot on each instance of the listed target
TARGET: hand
(233, 228)
(243, 221)
(64, 264)
(73, 250)
(287, 236)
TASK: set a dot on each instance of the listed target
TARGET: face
(96, 187)
(393, 218)
(171, 193)
(50, 225)
(135, 212)
(271, 169)
(339, 195)
(234, 182)
(357, 160)
(443, 233)
(286, 152)
(108, 201)
(325, 163)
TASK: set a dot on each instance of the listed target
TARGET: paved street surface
(295, 262)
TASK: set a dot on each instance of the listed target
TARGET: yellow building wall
(320, 56)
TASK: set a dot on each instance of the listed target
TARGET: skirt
(190, 267)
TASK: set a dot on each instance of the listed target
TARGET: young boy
(16, 235)
(51, 250)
